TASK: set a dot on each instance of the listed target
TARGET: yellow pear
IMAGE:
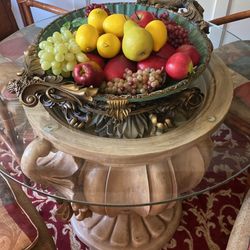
(129, 24)
(137, 43)
(159, 33)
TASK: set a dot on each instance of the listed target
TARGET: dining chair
(21, 225)
(26, 5)
(231, 18)
(7, 16)
(239, 118)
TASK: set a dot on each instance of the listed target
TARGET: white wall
(240, 28)
(224, 7)
(213, 9)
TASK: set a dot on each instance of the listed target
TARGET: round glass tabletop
(77, 167)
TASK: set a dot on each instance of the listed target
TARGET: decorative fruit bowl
(91, 74)
(196, 36)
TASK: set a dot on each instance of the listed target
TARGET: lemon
(108, 45)
(96, 18)
(86, 37)
(114, 24)
(159, 33)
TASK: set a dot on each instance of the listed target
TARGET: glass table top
(230, 156)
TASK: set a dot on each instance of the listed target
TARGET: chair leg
(8, 134)
(8, 123)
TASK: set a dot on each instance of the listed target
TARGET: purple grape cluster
(92, 6)
(177, 35)
(140, 82)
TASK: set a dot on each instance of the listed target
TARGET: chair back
(26, 13)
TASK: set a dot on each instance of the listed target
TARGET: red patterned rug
(207, 219)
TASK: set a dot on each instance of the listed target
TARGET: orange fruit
(114, 24)
(86, 37)
(96, 18)
(108, 45)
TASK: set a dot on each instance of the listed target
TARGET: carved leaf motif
(118, 108)
(32, 62)
(131, 127)
(53, 79)
(85, 93)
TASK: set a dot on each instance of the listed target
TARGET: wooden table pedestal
(151, 173)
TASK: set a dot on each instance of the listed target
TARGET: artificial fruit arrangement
(120, 54)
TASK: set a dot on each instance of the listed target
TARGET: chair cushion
(236, 56)
(16, 229)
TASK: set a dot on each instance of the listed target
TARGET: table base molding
(128, 231)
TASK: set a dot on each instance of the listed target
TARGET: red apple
(96, 58)
(152, 61)
(191, 51)
(179, 65)
(116, 66)
(166, 51)
(142, 17)
(88, 73)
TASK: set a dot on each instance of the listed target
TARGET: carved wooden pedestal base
(106, 171)
(128, 231)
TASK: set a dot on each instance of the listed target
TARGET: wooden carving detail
(33, 85)
(160, 180)
(32, 68)
(66, 210)
(49, 169)
(81, 211)
(136, 126)
(118, 108)
(129, 231)
(185, 104)
(138, 121)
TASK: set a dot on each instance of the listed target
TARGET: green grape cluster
(60, 53)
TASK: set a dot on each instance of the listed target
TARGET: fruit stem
(137, 16)
(190, 68)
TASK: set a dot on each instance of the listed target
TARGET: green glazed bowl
(197, 37)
